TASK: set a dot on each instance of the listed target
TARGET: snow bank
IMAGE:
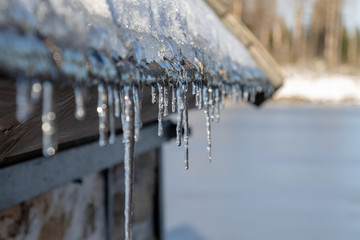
(319, 87)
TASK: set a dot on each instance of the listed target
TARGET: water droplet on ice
(103, 115)
(48, 121)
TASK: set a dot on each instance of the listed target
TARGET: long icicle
(129, 141)
(180, 108)
(122, 104)
(217, 100)
(161, 109)
(117, 101)
(48, 121)
(102, 110)
(211, 103)
(111, 113)
(166, 99)
(199, 96)
(137, 104)
(186, 127)
(173, 98)
(196, 89)
(193, 89)
(207, 120)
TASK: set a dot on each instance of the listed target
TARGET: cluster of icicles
(124, 102)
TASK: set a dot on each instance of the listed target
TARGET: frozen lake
(286, 172)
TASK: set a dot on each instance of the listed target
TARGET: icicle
(102, 110)
(208, 122)
(128, 140)
(166, 99)
(153, 94)
(36, 89)
(122, 105)
(137, 104)
(186, 128)
(180, 108)
(205, 95)
(48, 121)
(173, 100)
(161, 109)
(117, 101)
(217, 105)
(196, 94)
(199, 96)
(110, 91)
(208, 131)
(193, 88)
(211, 103)
(24, 107)
(80, 111)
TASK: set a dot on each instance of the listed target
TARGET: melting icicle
(48, 121)
(173, 100)
(207, 120)
(196, 89)
(186, 127)
(24, 107)
(180, 109)
(102, 110)
(153, 94)
(36, 89)
(110, 91)
(166, 99)
(117, 101)
(217, 105)
(137, 104)
(211, 103)
(122, 105)
(80, 111)
(193, 85)
(199, 96)
(161, 109)
(128, 140)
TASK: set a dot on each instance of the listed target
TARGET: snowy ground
(281, 172)
(319, 87)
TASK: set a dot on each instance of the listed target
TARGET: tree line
(324, 38)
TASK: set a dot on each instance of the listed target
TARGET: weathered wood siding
(74, 211)
(77, 210)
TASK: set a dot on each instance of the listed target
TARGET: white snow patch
(319, 87)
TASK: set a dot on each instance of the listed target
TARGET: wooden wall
(77, 210)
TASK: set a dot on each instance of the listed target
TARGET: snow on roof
(145, 31)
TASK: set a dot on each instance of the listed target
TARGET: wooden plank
(78, 209)
(265, 61)
(72, 211)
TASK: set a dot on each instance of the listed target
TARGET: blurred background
(289, 169)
